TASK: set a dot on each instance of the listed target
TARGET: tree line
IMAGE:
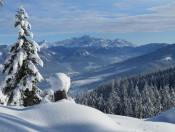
(138, 96)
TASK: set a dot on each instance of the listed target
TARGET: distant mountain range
(90, 61)
(87, 41)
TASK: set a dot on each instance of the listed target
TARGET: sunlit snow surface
(138, 125)
(62, 116)
(66, 116)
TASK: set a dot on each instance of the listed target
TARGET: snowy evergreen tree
(148, 108)
(137, 103)
(1, 2)
(19, 86)
(172, 95)
(157, 103)
(166, 98)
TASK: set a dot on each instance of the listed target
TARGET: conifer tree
(1, 2)
(19, 86)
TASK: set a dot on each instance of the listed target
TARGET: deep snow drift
(67, 116)
(62, 116)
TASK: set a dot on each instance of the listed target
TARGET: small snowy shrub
(48, 96)
(60, 84)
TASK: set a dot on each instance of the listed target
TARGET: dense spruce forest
(138, 96)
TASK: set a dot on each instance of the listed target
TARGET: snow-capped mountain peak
(122, 43)
(82, 53)
(43, 44)
(87, 41)
(168, 58)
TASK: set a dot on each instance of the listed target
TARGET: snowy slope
(66, 116)
(168, 116)
(139, 125)
(63, 116)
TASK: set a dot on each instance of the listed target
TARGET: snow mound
(60, 81)
(62, 116)
(168, 116)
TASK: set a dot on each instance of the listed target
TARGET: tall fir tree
(19, 86)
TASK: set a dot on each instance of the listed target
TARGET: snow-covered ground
(62, 116)
(67, 116)
(168, 116)
(150, 125)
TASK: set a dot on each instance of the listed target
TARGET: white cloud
(167, 10)
(59, 17)
(99, 23)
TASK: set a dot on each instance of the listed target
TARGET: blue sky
(138, 21)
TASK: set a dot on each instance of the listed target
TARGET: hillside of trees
(138, 96)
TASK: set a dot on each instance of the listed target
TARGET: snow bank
(60, 81)
(62, 116)
(168, 116)
(66, 116)
(140, 125)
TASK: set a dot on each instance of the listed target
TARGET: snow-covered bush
(60, 81)
(60, 84)
(22, 76)
(47, 96)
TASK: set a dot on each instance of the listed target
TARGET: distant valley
(91, 61)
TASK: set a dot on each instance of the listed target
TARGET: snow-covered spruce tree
(19, 86)
(1, 2)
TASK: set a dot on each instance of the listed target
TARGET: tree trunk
(58, 95)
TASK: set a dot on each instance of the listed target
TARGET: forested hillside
(138, 96)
